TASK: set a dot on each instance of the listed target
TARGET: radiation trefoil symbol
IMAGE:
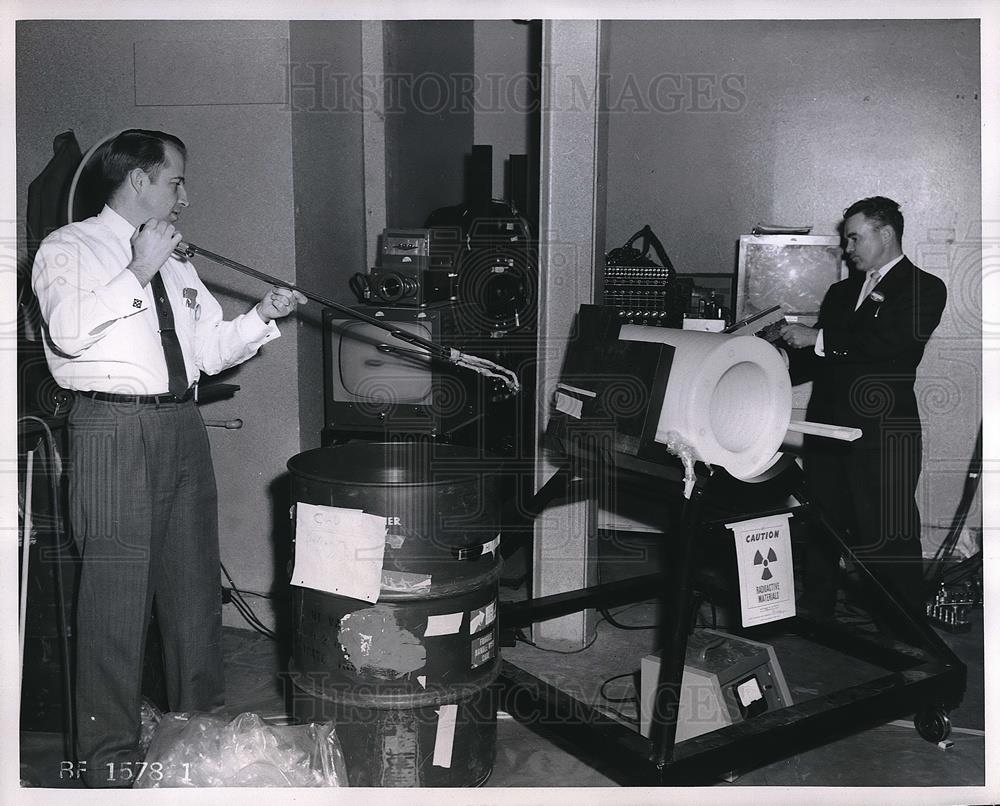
(760, 559)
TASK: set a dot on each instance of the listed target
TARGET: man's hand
(152, 244)
(279, 302)
(799, 336)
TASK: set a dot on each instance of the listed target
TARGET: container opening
(739, 411)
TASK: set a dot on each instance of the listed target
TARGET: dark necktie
(176, 372)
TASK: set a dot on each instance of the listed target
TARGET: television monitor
(793, 271)
(378, 384)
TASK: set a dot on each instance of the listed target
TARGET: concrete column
(571, 213)
(373, 126)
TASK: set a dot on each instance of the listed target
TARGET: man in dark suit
(862, 357)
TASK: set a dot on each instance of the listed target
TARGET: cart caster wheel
(933, 724)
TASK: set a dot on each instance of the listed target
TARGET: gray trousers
(143, 509)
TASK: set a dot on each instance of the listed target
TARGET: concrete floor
(891, 754)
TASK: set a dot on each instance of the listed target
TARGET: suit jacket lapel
(853, 288)
(889, 286)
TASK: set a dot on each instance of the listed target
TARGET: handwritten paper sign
(339, 551)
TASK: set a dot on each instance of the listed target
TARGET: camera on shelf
(496, 284)
(478, 257)
(490, 246)
(407, 274)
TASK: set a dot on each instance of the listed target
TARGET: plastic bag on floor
(204, 750)
(150, 717)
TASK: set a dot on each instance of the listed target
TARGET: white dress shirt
(102, 332)
(882, 272)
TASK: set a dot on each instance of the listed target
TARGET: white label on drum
(444, 739)
(447, 624)
(492, 546)
(484, 648)
(482, 617)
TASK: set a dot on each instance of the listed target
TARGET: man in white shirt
(130, 327)
(862, 358)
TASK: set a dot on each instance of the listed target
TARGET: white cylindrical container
(728, 398)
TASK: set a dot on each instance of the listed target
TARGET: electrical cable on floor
(608, 697)
(610, 619)
(632, 699)
(519, 634)
(244, 608)
(255, 593)
(605, 616)
(251, 618)
(246, 612)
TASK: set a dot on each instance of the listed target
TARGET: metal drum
(407, 679)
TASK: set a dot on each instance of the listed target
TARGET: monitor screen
(373, 366)
(793, 271)
(376, 381)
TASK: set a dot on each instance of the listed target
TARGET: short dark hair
(881, 209)
(134, 148)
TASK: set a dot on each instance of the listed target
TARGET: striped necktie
(176, 372)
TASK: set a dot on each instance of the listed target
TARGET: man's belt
(156, 400)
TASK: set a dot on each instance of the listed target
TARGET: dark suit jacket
(865, 380)
(49, 191)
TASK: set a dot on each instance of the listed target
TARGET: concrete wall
(506, 93)
(328, 171)
(428, 116)
(224, 98)
(716, 126)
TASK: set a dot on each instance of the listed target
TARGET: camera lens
(503, 296)
(393, 287)
(497, 289)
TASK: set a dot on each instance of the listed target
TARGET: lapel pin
(878, 298)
